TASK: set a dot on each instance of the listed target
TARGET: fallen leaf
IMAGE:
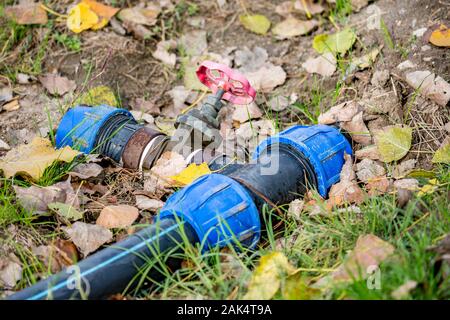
(358, 129)
(261, 82)
(4, 146)
(6, 95)
(403, 168)
(179, 95)
(32, 159)
(295, 287)
(442, 155)
(285, 8)
(292, 27)
(378, 185)
(10, 271)
(393, 142)
(162, 52)
(244, 113)
(85, 171)
(267, 276)
(65, 211)
(405, 65)
(308, 7)
(146, 203)
(325, 65)
(357, 5)
(57, 85)
(144, 16)
(370, 152)
(369, 251)
(407, 184)
(104, 13)
(88, 237)
(367, 170)
(27, 13)
(13, 105)
(296, 208)
(97, 96)
(23, 78)
(430, 85)
(403, 291)
(143, 105)
(82, 17)
(120, 216)
(53, 258)
(363, 62)
(429, 188)
(441, 36)
(346, 190)
(36, 199)
(340, 113)
(339, 42)
(139, 115)
(255, 23)
(191, 173)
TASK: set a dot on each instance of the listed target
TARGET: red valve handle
(218, 76)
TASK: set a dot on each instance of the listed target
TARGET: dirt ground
(126, 65)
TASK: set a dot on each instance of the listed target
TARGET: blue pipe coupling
(111, 132)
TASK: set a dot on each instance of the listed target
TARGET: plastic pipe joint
(111, 132)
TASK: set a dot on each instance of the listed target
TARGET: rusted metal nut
(131, 156)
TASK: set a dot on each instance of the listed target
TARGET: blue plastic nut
(219, 209)
(80, 125)
(323, 146)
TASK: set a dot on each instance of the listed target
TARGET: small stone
(244, 113)
(447, 127)
(404, 168)
(425, 48)
(407, 184)
(370, 152)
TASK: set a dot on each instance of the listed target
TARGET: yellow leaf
(97, 96)
(266, 278)
(104, 12)
(255, 23)
(442, 155)
(441, 36)
(295, 287)
(81, 18)
(189, 174)
(393, 142)
(32, 159)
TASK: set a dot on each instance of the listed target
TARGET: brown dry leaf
(441, 36)
(88, 237)
(55, 257)
(404, 168)
(146, 203)
(32, 159)
(141, 16)
(261, 82)
(86, 170)
(10, 271)
(346, 190)
(296, 208)
(369, 251)
(369, 152)
(325, 65)
(27, 13)
(244, 113)
(57, 85)
(13, 105)
(403, 291)
(342, 112)
(120, 216)
(358, 129)
(368, 169)
(292, 27)
(162, 52)
(143, 105)
(378, 185)
(285, 8)
(430, 85)
(36, 199)
(308, 7)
